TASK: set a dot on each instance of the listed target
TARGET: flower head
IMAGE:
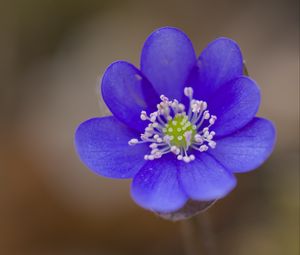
(181, 126)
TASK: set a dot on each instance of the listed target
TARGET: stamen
(133, 141)
(171, 129)
(188, 91)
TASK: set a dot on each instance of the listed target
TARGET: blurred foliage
(40, 25)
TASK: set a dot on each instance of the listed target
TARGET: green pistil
(177, 127)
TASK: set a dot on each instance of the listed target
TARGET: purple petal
(205, 179)
(156, 186)
(220, 62)
(127, 92)
(167, 59)
(248, 148)
(102, 145)
(235, 104)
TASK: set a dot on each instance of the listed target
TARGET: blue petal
(156, 186)
(205, 179)
(167, 59)
(127, 92)
(220, 62)
(235, 104)
(248, 148)
(102, 145)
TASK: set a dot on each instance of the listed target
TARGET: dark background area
(53, 54)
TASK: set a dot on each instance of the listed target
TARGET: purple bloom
(181, 126)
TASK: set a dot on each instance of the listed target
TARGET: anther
(212, 119)
(133, 141)
(186, 159)
(144, 115)
(188, 91)
(153, 145)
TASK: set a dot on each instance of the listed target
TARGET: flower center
(172, 129)
(177, 128)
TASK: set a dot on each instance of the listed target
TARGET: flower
(181, 126)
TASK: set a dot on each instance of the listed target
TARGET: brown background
(53, 54)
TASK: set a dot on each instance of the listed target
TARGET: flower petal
(205, 179)
(235, 104)
(127, 92)
(102, 145)
(167, 59)
(248, 148)
(220, 62)
(156, 186)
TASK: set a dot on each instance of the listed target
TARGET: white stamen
(188, 91)
(212, 119)
(159, 140)
(153, 145)
(149, 129)
(144, 115)
(180, 157)
(188, 134)
(212, 144)
(181, 107)
(150, 157)
(175, 150)
(133, 141)
(203, 148)
(206, 115)
(198, 138)
(186, 159)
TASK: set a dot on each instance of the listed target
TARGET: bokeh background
(53, 53)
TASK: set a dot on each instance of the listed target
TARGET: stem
(191, 246)
(209, 242)
(197, 236)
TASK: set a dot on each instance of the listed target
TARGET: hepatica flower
(182, 126)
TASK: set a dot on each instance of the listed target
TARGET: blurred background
(53, 53)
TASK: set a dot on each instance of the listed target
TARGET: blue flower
(181, 126)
